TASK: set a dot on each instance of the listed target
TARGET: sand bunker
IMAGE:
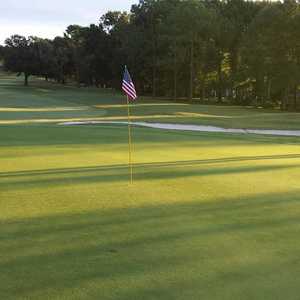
(202, 128)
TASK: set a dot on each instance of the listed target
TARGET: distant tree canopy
(1, 52)
(245, 52)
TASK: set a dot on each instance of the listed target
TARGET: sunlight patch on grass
(42, 109)
(139, 105)
(189, 114)
(44, 90)
(118, 118)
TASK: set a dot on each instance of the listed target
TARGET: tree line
(237, 51)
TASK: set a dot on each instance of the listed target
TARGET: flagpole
(129, 143)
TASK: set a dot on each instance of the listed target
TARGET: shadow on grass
(183, 163)
(145, 171)
(139, 252)
(108, 134)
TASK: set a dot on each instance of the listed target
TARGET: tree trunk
(154, 54)
(285, 99)
(175, 71)
(234, 67)
(154, 78)
(203, 87)
(26, 76)
(220, 82)
(269, 89)
(259, 89)
(295, 97)
(192, 70)
(154, 69)
(203, 92)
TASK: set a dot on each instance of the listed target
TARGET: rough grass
(209, 216)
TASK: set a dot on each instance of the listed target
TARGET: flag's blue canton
(128, 86)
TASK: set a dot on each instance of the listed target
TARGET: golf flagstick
(129, 89)
(129, 143)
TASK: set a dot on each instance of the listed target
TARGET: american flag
(128, 86)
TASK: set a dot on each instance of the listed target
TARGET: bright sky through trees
(51, 17)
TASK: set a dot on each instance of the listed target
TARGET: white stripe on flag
(129, 90)
(133, 96)
(132, 89)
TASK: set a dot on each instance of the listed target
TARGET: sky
(49, 18)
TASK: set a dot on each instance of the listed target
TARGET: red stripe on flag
(129, 90)
(129, 87)
(131, 95)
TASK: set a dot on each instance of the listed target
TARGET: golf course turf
(209, 215)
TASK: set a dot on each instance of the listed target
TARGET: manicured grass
(98, 104)
(209, 216)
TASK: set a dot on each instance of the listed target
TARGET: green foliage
(239, 51)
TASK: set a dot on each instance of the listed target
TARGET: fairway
(209, 216)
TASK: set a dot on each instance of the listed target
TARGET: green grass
(95, 103)
(209, 216)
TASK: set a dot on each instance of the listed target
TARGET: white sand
(202, 128)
